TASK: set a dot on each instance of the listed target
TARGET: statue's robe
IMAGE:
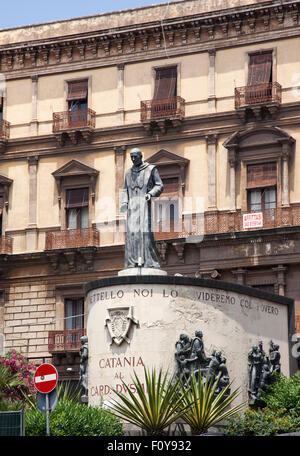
(140, 243)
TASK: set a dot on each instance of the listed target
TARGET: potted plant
(203, 407)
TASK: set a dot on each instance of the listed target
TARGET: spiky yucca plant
(154, 406)
(203, 407)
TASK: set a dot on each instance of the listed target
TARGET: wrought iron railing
(4, 129)
(157, 109)
(67, 239)
(226, 222)
(67, 120)
(5, 245)
(65, 340)
(263, 93)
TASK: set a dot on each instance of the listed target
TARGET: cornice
(187, 34)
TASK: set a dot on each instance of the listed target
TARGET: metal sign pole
(47, 415)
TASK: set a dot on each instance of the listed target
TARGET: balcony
(162, 114)
(5, 245)
(73, 125)
(65, 340)
(227, 222)
(259, 101)
(70, 239)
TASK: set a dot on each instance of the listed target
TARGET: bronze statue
(260, 368)
(83, 371)
(142, 182)
(190, 358)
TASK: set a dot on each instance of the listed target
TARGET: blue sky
(24, 12)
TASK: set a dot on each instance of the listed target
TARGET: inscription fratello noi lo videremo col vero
(213, 297)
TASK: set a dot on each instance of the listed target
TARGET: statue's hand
(123, 207)
(148, 197)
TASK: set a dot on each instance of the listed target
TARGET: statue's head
(199, 334)
(83, 340)
(136, 156)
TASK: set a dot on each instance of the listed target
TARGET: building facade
(210, 92)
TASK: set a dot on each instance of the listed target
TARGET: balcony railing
(4, 129)
(68, 239)
(65, 340)
(249, 95)
(71, 120)
(159, 109)
(5, 245)
(227, 222)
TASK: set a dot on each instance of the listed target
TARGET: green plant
(262, 422)
(284, 394)
(152, 408)
(71, 418)
(16, 379)
(203, 407)
(281, 413)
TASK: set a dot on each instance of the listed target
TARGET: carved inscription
(116, 366)
(245, 305)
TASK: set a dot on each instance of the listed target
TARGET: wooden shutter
(260, 68)
(77, 197)
(165, 83)
(171, 185)
(77, 90)
(1, 203)
(260, 175)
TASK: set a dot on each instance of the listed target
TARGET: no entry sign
(45, 378)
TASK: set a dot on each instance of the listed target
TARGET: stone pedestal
(135, 321)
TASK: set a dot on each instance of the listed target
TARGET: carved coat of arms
(118, 323)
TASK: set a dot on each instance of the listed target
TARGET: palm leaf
(205, 408)
(152, 408)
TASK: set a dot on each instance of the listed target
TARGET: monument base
(135, 322)
(141, 272)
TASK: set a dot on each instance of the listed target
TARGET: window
(77, 208)
(167, 205)
(78, 101)
(261, 186)
(259, 87)
(165, 83)
(74, 310)
(260, 68)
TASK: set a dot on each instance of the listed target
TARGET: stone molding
(153, 37)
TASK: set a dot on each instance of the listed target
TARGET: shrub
(280, 415)
(262, 422)
(73, 419)
(16, 378)
(284, 394)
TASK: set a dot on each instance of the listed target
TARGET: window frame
(158, 67)
(88, 78)
(247, 55)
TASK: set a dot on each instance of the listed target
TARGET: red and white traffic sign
(45, 378)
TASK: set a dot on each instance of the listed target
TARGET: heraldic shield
(118, 322)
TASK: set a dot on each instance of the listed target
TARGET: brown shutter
(77, 197)
(260, 67)
(260, 175)
(77, 90)
(1, 204)
(165, 83)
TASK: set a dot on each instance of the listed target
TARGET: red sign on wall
(253, 220)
